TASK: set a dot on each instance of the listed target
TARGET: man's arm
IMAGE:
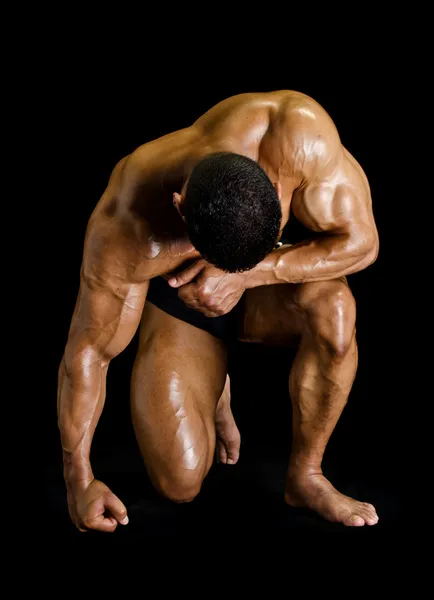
(332, 200)
(335, 204)
(106, 316)
(347, 239)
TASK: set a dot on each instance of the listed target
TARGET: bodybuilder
(188, 242)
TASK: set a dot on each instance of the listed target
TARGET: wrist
(77, 473)
(263, 273)
(76, 483)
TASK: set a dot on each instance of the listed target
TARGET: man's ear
(278, 188)
(178, 199)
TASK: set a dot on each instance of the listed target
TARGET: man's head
(232, 211)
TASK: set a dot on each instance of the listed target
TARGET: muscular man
(188, 241)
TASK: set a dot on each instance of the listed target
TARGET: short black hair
(232, 211)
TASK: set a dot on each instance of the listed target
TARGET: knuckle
(207, 297)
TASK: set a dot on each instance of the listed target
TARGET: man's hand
(96, 507)
(214, 293)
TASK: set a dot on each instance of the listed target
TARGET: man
(185, 242)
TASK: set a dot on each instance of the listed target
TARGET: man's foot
(228, 436)
(316, 492)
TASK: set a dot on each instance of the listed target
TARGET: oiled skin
(296, 295)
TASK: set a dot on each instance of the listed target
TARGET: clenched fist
(96, 507)
(208, 289)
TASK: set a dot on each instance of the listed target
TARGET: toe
(221, 453)
(371, 509)
(371, 519)
(232, 455)
(354, 521)
(232, 449)
(369, 514)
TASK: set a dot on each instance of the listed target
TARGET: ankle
(303, 468)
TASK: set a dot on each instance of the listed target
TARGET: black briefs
(166, 298)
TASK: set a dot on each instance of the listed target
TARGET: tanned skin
(297, 296)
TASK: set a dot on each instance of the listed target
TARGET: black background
(96, 113)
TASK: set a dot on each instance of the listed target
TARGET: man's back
(286, 132)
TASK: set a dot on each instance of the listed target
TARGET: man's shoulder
(299, 114)
(307, 136)
(116, 244)
(117, 225)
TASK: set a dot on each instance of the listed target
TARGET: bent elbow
(370, 254)
(373, 249)
(374, 253)
(81, 357)
(367, 247)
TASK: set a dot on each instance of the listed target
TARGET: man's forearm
(316, 260)
(81, 395)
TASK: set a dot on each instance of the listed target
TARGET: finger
(76, 520)
(189, 295)
(117, 508)
(112, 520)
(102, 523)
(187, 275)
(186, 294)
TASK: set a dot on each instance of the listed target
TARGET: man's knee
(330, 309)
(181, 480)
(180, 485)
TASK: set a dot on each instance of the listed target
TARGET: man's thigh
(277, 315)
(178, 377)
